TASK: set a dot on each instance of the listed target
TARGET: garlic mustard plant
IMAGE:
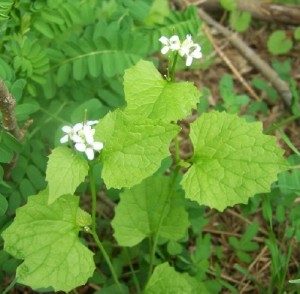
(232, 161)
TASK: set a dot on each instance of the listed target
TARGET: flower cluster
(82, 136)
(187, 48)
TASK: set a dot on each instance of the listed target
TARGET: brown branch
(266, 70)
(289, 14)
(7, 107)
(230, 65)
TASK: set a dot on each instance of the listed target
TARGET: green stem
(135, 279)
(10, 286)
(94, 198)
(288, 142)
(172, 72)
(172, 184)
(106, 257)
(154, 245)
(282, 123)
(94, 227)
(294, 167)
(177, 150)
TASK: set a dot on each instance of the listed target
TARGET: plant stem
(10, 286)
(156, 235)
(94, 198)
(94, 228)
(135, 279)
(172, 184)
(282, 123)
(177, 150)
(293, 167)
(106, 257)
(172, 72)
(288, 142)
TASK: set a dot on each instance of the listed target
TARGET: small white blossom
(82, 136)
(190, 50)
(89, 148)
(187, 48)
(172, 44)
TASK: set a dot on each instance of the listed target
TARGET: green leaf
(233, 102)
(5, 7)
(229, 5)
(159, 10)
(63, 74)
(65, 171)
(150, 208)
(174, 248)
(166, 280)
(233, 160)
(17, 89)
(133, 147)
(43, 28)
(23, 111)
(289, 181)
(297, 34)
(148, 93)
(279, 43)
(240, 20)
(3, 205)
(46, 238)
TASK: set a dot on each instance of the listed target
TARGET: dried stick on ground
(289, 14)
(230, 65)
(7, 107)
(266, 70)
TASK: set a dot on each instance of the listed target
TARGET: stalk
(94, 228)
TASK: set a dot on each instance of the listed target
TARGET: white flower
(190, 50)
(70, 132)
(172, 44)
(82, 135)
(89, 148)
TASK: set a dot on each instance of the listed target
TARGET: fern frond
(56, 17)
(107, 49)
(5, 7)
(30, 61)
(179, 23)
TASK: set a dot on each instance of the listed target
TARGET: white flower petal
(80, 147)
(89, 153)
(174, 43)
(189, 38)
(89, 139)
(77, 127)
(86, 128)
(98, 146)
(165, 49)
(76, 139)
(196, 54)
(164, 40)
(66, 129)
(92, 122)
(189, 60)
(64, 139)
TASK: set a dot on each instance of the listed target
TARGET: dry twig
(289, 14)
(7, 107)
(230, 65)
(280, 85)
